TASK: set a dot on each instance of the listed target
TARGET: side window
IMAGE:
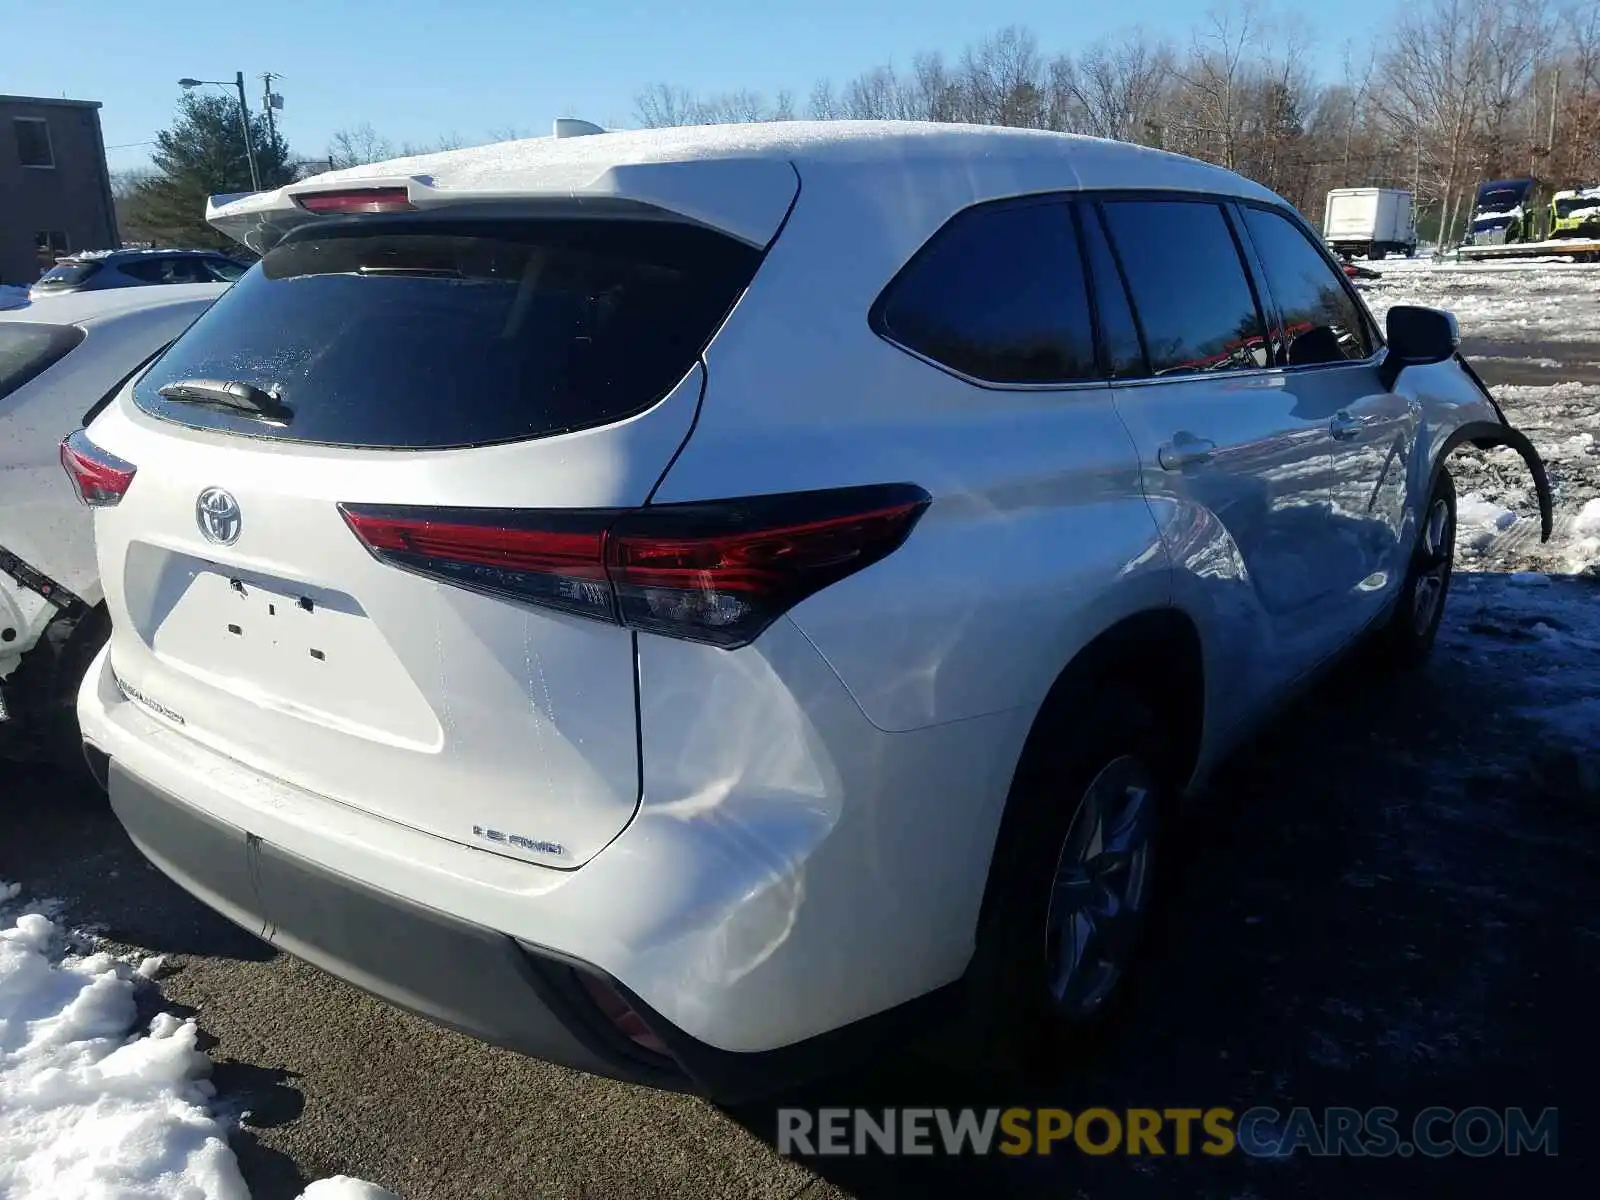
(223, 270)
(146, 270)
(1118, 330)
(1189, 286)
(187, 270)
(1321, 321)
(997, 294)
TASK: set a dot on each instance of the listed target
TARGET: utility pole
(1555, 95)
(269, 101)
(249, 143)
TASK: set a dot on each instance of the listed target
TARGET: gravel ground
(1392, 897)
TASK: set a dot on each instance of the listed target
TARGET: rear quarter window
(67, 274)
(28, 350)
(418, 333)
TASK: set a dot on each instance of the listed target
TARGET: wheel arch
(1156, 650)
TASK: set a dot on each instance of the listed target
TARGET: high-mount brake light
(101, 479)
(718, 572)
(357, 200)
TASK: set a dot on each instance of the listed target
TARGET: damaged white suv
(678, 603)
(59, 358)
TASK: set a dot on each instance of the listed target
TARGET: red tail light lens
(100, 479)
(358, 200)
(556, 561)
(715, 572)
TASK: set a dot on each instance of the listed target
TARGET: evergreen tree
(202, 155)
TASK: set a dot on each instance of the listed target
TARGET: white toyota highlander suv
(679, 603)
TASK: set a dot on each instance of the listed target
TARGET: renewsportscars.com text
(1260, 1132)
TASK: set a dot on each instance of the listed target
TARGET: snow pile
(90, 1109)
(1478, 520)
(12, 296)
(86, 1111)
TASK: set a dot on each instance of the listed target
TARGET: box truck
(1371, 221)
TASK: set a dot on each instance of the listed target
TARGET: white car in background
(58, 358)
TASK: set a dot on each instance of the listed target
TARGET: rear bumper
(457, 974)
(795, 886)
(454, 973)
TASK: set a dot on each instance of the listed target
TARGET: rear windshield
(67, 274)
(411, 333)
(27, 350)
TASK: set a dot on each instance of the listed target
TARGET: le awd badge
(535, 845)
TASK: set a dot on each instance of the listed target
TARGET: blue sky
(418, 70)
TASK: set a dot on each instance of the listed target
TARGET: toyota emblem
(217, 514)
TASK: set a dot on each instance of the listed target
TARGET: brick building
(55, 191)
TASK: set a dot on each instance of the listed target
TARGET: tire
(1406, 639)
(1377, 253)
(1082, 839)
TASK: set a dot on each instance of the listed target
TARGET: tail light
(100, 479)
(717, 572)
(357, 200)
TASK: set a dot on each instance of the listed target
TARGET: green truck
(1575, 213)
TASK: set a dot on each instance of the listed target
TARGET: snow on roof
(131, 252)
(507, 164)
(79, 308)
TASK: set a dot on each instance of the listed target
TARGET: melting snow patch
(1479, 519)
(91, 1109)
(342, 1187)
(1588, 518)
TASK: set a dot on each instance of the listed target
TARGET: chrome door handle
(1343, 426)
(1184, 450)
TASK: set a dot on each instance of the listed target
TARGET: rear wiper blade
(231, 394)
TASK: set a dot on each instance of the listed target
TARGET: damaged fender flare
(1485, 435)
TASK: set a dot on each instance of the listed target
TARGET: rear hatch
(274, 591)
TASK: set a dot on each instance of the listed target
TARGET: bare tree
(357, 145)
(1118, 85)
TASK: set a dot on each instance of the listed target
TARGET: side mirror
(1418, 337)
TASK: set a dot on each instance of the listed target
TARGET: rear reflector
(99, 478)
(717, 572)
(357, 200)
(621, 1015)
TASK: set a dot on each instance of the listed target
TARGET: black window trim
(1082, 202)
(1089, 208)
(1373, 332)
(1065, 200)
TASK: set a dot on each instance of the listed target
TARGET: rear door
(400, 363)
(1330, 368)
(1235, 468)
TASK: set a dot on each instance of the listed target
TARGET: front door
(1236, 471)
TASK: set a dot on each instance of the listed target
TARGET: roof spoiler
(745, 198)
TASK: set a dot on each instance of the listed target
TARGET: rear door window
(1189, 287)
(1321, 320)
(416, 332)
(28, 350)
(998, 294)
